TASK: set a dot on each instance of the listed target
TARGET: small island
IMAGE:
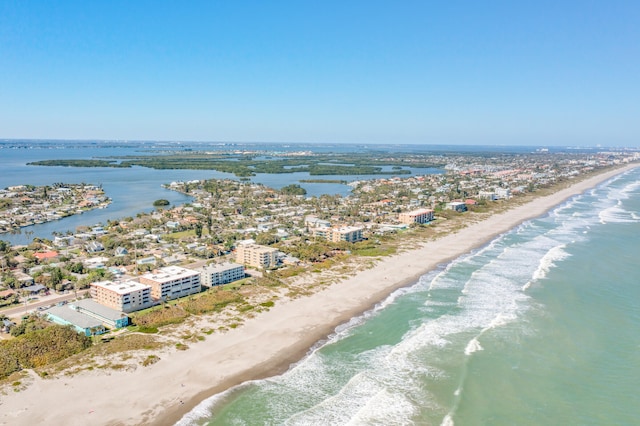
(161, 203)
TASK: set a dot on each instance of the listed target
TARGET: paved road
(21, 310)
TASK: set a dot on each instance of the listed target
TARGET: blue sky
(442, 72)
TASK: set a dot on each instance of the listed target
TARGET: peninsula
(26, 205)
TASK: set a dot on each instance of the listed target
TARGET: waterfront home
(63, 241)
(47, 255)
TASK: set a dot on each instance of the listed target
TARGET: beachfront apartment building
(458, 206)
(172, 282)
(416, 216)
(351, 234)
(256, 255)
(127, 296)
(503, 193)
(321, 232)
(222, 273)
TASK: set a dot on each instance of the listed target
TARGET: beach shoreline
(264, 346)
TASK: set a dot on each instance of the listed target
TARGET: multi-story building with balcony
(256, 255)
(351, 234)
(127, 296)
(416, 216)
(222, 273)
(172, 282)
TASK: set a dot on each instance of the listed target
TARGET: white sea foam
(549, 260)
(447, 421)
(616, 214)
(203, 409)
(378, 394)
(384, 408)
(383, 385)
(472, 346)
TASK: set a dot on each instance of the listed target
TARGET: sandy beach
(267, 344)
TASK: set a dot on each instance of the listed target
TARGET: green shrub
(151, 359)
(40, 347)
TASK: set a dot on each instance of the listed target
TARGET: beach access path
(160, 394)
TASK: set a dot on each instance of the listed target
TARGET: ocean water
(539, 327)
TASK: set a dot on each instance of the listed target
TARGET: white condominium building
(221, 274)
(127, 296)
(172, 282)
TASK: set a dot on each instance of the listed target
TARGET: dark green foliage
(267, 238)
(39, 348)
(77, 163)
(29, 324)
(161, 203)
(244, 166)
(293, 189)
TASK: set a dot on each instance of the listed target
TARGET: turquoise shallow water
(539, 327)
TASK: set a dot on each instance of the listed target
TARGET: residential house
(94, 246)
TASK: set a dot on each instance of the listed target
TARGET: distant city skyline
(411, 72)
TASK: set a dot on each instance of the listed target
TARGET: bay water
(539, 327)
(133, 190)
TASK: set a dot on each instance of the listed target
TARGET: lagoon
(133, 190)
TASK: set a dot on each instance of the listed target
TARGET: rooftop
(98, 309)
(123, 287)
(345, 229)
(221, 267)
(74, 317)
(419, 211)
(170, 273)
